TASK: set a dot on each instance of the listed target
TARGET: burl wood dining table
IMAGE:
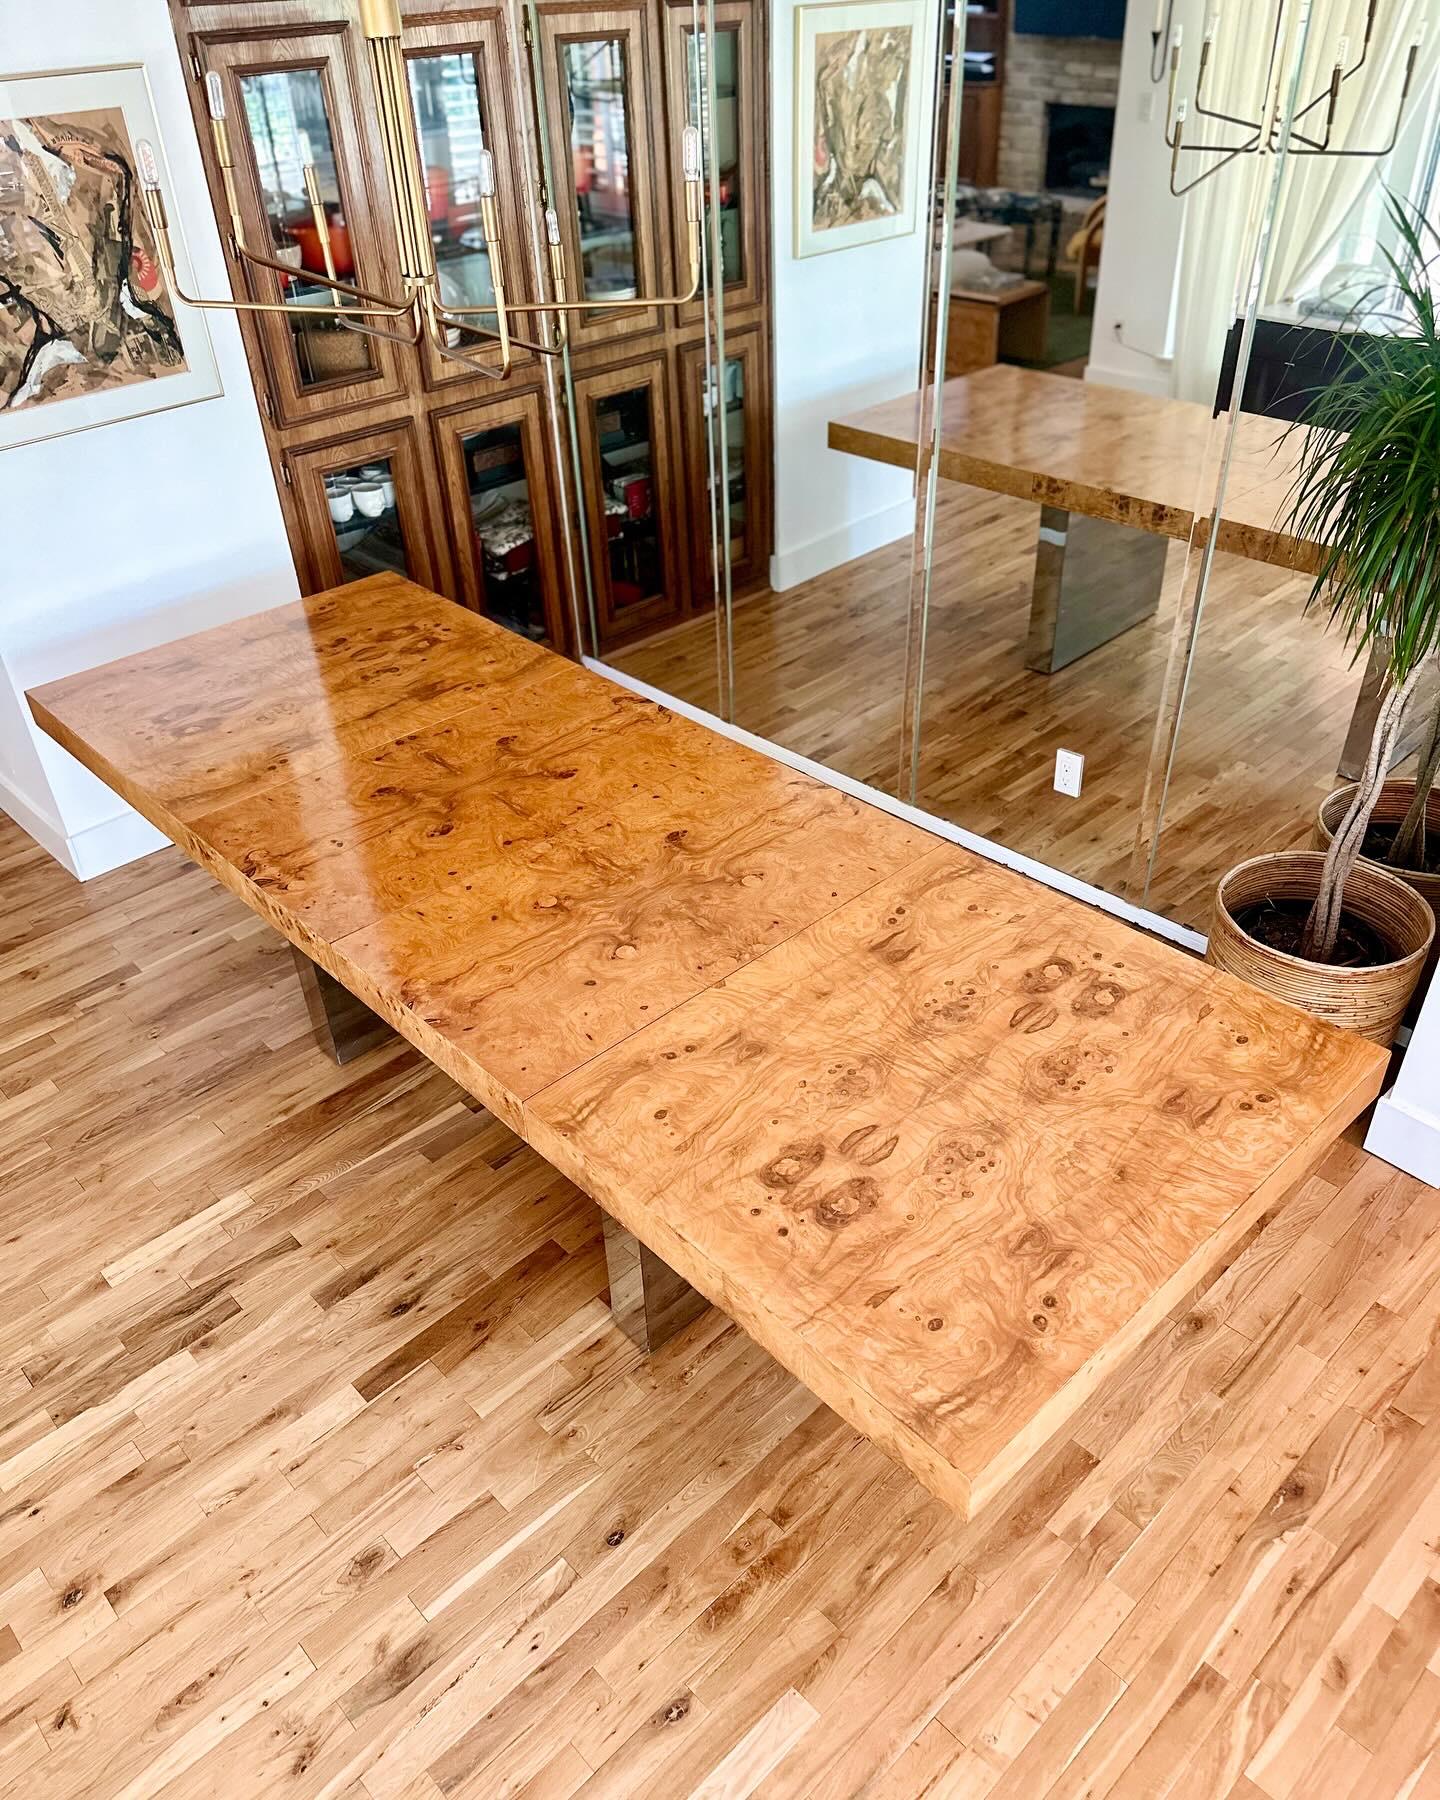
(945, 1142)
(1116, 475)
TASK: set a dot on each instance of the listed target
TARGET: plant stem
(1322, 929)
(1408, 851)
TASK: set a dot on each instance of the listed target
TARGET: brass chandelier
(418, 313)
(1264, 135)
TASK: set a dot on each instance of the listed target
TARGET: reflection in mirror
(503, 540)
(288, 125)
(445, 94)
(594, 71)
(822, 160)
(1105, 398)
(1277, 711)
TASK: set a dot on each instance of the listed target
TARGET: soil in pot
(1280, 925)
(1380, 840)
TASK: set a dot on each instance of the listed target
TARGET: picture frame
(860, 75)
(89, 335)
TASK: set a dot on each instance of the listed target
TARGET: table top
(945, 1142)
(1006, 296)
(1104, 451)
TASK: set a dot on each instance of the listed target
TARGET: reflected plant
(1368, 488)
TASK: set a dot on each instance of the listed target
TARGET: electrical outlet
(1069, 772)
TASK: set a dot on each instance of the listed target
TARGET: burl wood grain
(1136, 459)
(954, 1148)
(943, 1141)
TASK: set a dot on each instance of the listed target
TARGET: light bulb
(487, 175)
(307, 156)
(145, 160)
(1342, 53)
(214, 95)
(552, 226)
(690, 152)
(1182, 111)
(1179, 37)
(1420, 31)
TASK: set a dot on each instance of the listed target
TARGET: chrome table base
(649, 1300)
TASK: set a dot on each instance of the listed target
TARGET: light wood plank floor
(323, 1472)
(820, 669)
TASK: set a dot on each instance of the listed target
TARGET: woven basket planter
(1370, 1001)
(1390, 809)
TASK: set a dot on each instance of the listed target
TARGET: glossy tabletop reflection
(1134, 459)
(945, 1142)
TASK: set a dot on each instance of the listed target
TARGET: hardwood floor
(820, 669)
(324, 1472)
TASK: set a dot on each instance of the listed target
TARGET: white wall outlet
(1069, 772)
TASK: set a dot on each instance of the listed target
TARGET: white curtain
(1318, 195)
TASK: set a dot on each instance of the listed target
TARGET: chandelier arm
(374, 305)
(153, 201)
(434, 325)
(1209, 112)
(460, 318)
(1400, 111)
(407, 339)
(1214, 169)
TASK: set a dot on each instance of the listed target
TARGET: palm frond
(1367, 485)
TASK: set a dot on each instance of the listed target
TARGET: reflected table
(1114, 474)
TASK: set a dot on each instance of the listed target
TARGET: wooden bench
(946, 1143)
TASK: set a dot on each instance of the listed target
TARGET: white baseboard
(788, 568)
(96, 850)
(1158, 381)
(37, 822)
(1407, 1136)
(113, 843)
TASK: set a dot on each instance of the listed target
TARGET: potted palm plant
(1337, 932)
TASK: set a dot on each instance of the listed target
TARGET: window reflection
(594, 72)
(445, 93)
(287, 122)
(724, 137)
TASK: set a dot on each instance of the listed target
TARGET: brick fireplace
(1047, 77)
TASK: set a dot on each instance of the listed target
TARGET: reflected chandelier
(418, 313)
(1265, 135)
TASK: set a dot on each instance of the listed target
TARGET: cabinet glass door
(631, 499)
(725, 460)
(288, 124)
(369, 534)
(449, 121)
(606, 143)
(499, 497)
(725, 55)
(291, 97)
(460, 102)
(367, 509)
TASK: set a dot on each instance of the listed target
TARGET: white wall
(847, 331)
(1135, 302)
(129, 534)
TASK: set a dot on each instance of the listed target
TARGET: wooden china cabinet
(388, 457)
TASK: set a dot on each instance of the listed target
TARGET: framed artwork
(860, 69)
(89, 333)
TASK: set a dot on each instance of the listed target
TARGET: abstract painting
(88, 331)
(859, 87)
